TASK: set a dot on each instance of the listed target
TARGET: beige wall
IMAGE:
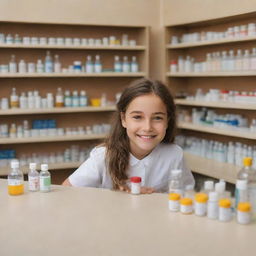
(184, 11)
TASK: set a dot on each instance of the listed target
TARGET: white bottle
(57, 64)
(33, 178)
(67, 99)
(117, 64)
(12, 65)
(175, 182)
(31, 100)
(45, 179)
(103, 100)
(50, 100)
(231, 61)
(39, 66)
(134, 65)
(48, 63)
(89, 65)
(212, 205)
(241, 192)
(97, 64)
(22, 67)
(231, 153)
(208, 186)
(239, 60)
(23, 101)
(26, 130)
(75, 99)
(126, 65)
(83, 100)
(253, 59)
(37, 99)
(246, 61)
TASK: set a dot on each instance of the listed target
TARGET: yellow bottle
(15, 180)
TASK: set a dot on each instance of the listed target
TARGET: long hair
(117, 144)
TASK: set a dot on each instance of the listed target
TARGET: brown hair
(117, 144)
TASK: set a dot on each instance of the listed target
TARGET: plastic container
(186, 205)
(244, 213)
(225, 210)
(174, 202)
(201, 204)
(212, 206)
(33, 178)
(135, 185)
(45, 179)
(15, 180)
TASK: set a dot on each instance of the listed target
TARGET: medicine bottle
(225, 210)
(175, 182)
(33, 178)
(186, 205)
(241, 192)
(174, 202)
(212, 206)
(14, 99)
(45, 178)
(135, 185)
(15, 180)
(244, 213)
(201, 204)
(59, 99)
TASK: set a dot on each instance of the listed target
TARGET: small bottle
(59, 99)
(186, 205)
(31, 100)
(134, 65)
(67, 99)
(17, 39)
(15, 180)
(75, 99)
(135, 185)
(103, 100)
(33, 178)
(126, 65)
(14, 99)
(57, 64)
(97, 64)
(9, 39)
(225, 210)
(239, 60)
(13, 131)
(208, 186)
(174, 202)
(23, 101)
(212, 206)
(244, 213)
(241, 192)
(48, 64)
(26, 130)
(22, 67)
(117, 64)
(45, 178)
(201, 204)
(175, 183)
(83, 100)
(89, 65)
(39, 66)
(12, 65)
(246, 61)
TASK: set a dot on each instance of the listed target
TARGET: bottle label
(252, 198)
(14, 182)
(45, 183)
(33, 183)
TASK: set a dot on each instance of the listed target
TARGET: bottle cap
(135, 179)
(225, 203)
(186, 201)
(44, 167)
(208, 185)
(15, 164)
(220, 187)
(201, 198)
(241, 184)
(213, 196)
(244, 207)
(247, 161)
(174, 196)
(32, 166)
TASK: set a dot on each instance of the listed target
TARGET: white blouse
(154, 169)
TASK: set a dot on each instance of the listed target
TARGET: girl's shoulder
(170, 149)
(98, 152)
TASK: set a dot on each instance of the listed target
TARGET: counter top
(90, 222)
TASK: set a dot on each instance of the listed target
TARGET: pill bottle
(243, 213)
(225, 210)
(186, 205)
(201, 204)
(174, 202)
(212, 206)
(135, 185)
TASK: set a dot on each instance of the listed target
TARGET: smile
(146, 136)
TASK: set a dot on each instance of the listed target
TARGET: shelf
(103, 74)
(56, 166)
(56, 110)
(80, 47)
(212, 168)
(212, 74)
(213, 42)
(51, 138)
(215, 104)
(226, 132)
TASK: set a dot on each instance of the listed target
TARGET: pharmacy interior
(61, 75)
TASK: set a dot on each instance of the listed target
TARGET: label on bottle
(83, 101)
(118, 67)
(252, 197)
(68, 101)
(14, 182)
(33, 183)
(45, 183)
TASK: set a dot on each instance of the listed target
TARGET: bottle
(22, 67)
(246, 61)
(117, 64)
(31, 100)
(201, 204)
(83, 100)
(241, 192)
(39, 66)
(225, 210)
(48, 64)
(186, 205)
(135, 185)
(75, 99)
(134, 65)
(45, 178)
(89, 65)
(239, 60)
(59, 99)
(212, 205)
(103, 100)
(253, 59)
(97, 64)
(174, 204)
(13, 131)
(126, 65)
(14, 99)
(244, 213)
(23, 101)
(33, 178)
(175, 183)
(67, 99)
(12, 65)
(15, 179)
(208, 186)
(57, 64)
(26, 130)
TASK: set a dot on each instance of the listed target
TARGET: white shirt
(154, 169)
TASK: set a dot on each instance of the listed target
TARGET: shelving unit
(189, 82)
(94, 84)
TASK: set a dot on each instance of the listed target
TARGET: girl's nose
(147, 126)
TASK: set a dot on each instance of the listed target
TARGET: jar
(186, 205)
(173, 66)
(201, 204)
(174, 204)
(212, 205)
(225, 210)
(135, 185)
(77, 66)
(244, 213)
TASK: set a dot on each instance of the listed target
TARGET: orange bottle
(15, 180)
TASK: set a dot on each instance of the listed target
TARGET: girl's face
(146, 122)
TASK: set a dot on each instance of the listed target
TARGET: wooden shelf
(56, 110)
(56, 166)
(103, 74)
(212, 168)
(80, 47)
(213, 42)
(51, 138)
(210, 129)
(215, 104)
(212, 74)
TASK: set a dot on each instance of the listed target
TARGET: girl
(140, 144)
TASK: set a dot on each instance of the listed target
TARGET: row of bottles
(67, 41)
(74, 153)
(42, 128)
(50, 65)
(231, 152)
(225, 61)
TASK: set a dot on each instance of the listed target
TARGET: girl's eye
(136, 117)
(158, 118)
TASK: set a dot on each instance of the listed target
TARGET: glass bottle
(12, 65)
(15, 179)
(175, 182)
(45, 178)
(67, 99)
(89, 65)
(126, 65)
(59, 99)
(134, 65)
(33, 178)
(14, 99)
(57, 64)
(97, 64)
(48, 65)
(117, 64)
